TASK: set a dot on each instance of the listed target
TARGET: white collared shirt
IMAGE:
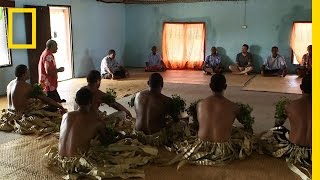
(154, 60)
(275, 63)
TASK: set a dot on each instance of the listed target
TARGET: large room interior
(85, 30)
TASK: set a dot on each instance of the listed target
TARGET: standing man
(48, 72)
(243, 62)
(275, 65)
(155, 63)
(212, 64)
(306, 65)
(111, 69)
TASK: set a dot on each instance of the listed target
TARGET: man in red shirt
(48, 73)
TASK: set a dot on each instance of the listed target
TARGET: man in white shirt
(111, 69)
(212, 63)
(155, 63)
(275, 65)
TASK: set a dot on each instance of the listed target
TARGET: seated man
(81, 154)
(155, 62)
(152, 107)
(25, 104)
(275, 65)
(212, 64)
(73, 141)
(19, 92)
(243, 62)
(295, 145)
(218, 141)
(111, 69)
(306, 65)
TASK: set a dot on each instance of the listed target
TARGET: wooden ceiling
(158, 1)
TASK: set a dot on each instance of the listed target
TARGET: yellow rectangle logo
(33, 12)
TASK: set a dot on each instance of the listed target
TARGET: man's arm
(119, 107)
(50, 101)
(249, 60)
(238, 114)
(237, 59)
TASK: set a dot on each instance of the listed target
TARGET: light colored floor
(288, 84)
(191, 85)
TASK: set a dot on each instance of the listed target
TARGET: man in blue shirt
(212, 63)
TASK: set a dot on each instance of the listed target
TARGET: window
(5, 58)
(301, 38)
(183, 45)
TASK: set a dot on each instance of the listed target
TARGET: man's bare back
(151, 109)
(18, 94)
(300, 116)
(216, 115)
(76, 131)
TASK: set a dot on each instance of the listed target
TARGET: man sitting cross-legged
(27, 105)
(243, 62)
(80, 126)
(155, 62)
(218, 141)
(94, 81)
(82, 149)
(213, 64)
(275, 64)
(294, 145)
(152, 108)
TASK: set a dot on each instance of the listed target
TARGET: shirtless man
(295, 145)
(216, 114)
(80, 126)
(152, 106)
(19, 91)
(299, 113)
(94, 81)
(218, 141)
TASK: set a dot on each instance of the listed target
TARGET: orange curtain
(183, 45)
(301, 38)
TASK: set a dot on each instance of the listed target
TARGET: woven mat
(289, 84)
(21, 159)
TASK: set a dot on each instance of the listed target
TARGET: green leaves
(192, 111)
(246, 119)
(131, 102)
(110, 96)
(280, 113)
(178, 104)
(37, 90)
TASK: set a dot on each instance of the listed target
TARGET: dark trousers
(54, 95)
(121, 73)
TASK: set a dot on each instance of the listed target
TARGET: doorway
(60, 24)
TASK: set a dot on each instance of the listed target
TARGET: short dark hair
(213, 47)
(111, 51)
(154, 47)
(20, 70)
(155, 80)
(218, 83)
(306, 84)
(246, 45)
(84, 97)
(93, 76)
(274, 47)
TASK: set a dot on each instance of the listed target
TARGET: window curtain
(183, 45)
(301, 38)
